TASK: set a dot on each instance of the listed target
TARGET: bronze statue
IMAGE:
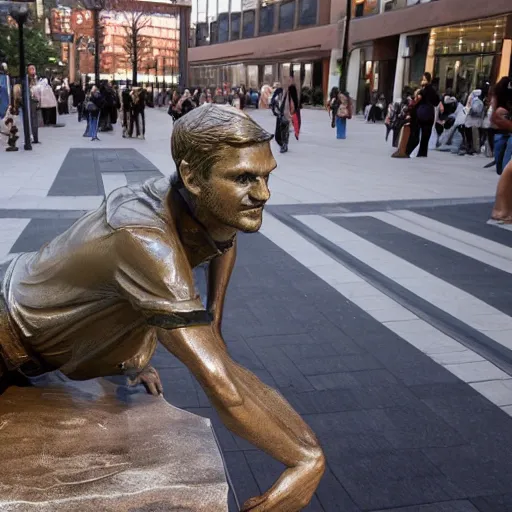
(95, 300)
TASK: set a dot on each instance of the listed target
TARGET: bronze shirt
(87, 303)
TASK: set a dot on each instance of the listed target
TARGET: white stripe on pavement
(455, 357)
(461, 305)
(476, 247)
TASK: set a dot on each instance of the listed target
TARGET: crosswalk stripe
(476, 247)
(455, 357)
(461, 305)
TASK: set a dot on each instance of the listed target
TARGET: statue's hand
(150, 379)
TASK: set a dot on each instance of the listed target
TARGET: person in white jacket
(47, 102)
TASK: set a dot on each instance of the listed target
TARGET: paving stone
(241, 476)
(388, 395)
(299, 353)
(474, 472)
(259, 342)
(322, 365)
(333, 497)
(242, 354)
(445, 506)
(393, 480)
(475, 418)
(332, 425)
(333, 381)
(424, 372)
(441, 389)
(179, 387)
(321, 401)
(419, 427)
(284, 372)
(500, 503)
(339, 448)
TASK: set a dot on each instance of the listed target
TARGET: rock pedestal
(93, 447)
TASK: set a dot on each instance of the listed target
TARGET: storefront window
(249, 19)
(287, 15)
(212, 21)
(223, 21)
(252, 77)
(308, 12)
(266, 19)
(236, 19)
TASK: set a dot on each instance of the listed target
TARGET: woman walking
(422, 123)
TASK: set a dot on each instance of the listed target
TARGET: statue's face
(237, 188)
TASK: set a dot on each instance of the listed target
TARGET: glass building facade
(220, 21)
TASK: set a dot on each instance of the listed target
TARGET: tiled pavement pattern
(374, 367)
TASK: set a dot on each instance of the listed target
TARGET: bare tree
(137, 46)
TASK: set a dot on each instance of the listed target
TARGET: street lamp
(19, 12)
(344, 51)
(96, 6)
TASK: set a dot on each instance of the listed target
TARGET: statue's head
(223, 159)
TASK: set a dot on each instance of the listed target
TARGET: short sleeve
(154, 275)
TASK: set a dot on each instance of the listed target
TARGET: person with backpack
(343, 112)
(474, 119)
(422, 122)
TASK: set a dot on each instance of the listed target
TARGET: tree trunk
(135, 59)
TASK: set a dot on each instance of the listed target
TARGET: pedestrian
(48, 103)
(94, 104)
(332, 105)
(343, 112)
(35, 104)
(126, 106)
(282, 131)
(78, 100)
(137, 115)
(501, 120)
(404, 124)
(423, 117)
(475, 114)
(293, 105)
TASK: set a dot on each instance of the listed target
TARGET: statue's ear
(189, 178)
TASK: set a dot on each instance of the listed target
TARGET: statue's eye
(245, 178)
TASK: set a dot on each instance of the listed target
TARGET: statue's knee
(221, 386)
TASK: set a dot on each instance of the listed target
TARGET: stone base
(93, 446)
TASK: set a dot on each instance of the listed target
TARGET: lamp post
(19, 12)
(344, 51)
(96, 6)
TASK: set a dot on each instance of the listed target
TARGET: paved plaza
(376, 299)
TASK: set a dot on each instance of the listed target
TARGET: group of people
(100, 107)
(480, 123)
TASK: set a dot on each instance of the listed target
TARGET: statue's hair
(202, 136)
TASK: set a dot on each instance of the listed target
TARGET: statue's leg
(260, 415)
(502, 210)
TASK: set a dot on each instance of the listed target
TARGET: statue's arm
(219, 273)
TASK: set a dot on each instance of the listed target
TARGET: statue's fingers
(151, 388)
